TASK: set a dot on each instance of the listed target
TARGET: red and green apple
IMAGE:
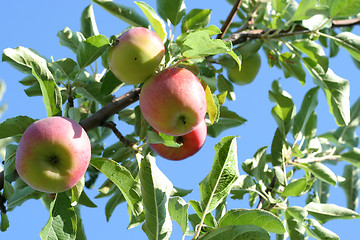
(53, 154)
(173, 101)
(191, 144)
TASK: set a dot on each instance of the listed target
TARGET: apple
(173, 101)
(136, 56)
(53, 154)
(191, 144)
(249, 69)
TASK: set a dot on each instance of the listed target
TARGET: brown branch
(240, 37)
(267, 190)
(346, 22)
(117, 104)
(229, 19)
(111, 125)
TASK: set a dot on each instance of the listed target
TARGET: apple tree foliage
(292, 35)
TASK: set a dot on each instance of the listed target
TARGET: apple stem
(111, 125)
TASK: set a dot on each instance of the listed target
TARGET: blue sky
(35, 24)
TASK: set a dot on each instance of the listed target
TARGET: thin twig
(267, 190)
(111, 125)
(240, 37)
(229, 19)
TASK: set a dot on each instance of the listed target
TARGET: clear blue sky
(35, 24)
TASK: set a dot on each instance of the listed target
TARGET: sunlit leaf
(217, 184)
(156, 22)
(156, 189)
(62, 222)
(257, 217)
(123, 179)
(326, 212)
(125, 13)
(237, 232)
(88, 23)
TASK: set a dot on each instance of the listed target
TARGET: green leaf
(258, 163)
(352, 156)
(156, 189)
(243, 185)
(173, 10)
(178, 210)
(195, 19)
(308, 106)
(224, 172)
(278, 147)
(76, 191)
(245, 232)
(326, 212)
(110, 83)
(227, 119)
(307, 9)
(295, 188)
(261, 218)
(49, 90)
(350, 42)
(20, 196)
(91, 49)
(313, 50)
(62, 221)
(295, 229)
(112, 203)
(92, 91)
(70, 39)
(15, 126)
(316, 230)
(126, 14)
(80, 231)
(156, 22)
(298, 213)
(4, 222)
(63, 68)
(347, 134)
(21, 58)
(209, 219)
(284, 110)
(321, 171)
(88, 23)
(337, 91)
(212, 104)
(199, 44)
(345, 8)
(292, 67)
(123, 179)
(225, 85)
(351, 186)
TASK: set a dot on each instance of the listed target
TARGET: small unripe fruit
(249, 69)
(136, 56)
(53, 154)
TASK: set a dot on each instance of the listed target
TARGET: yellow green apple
(136, 55)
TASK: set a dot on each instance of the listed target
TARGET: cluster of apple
(172, 101)
(54, 153)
